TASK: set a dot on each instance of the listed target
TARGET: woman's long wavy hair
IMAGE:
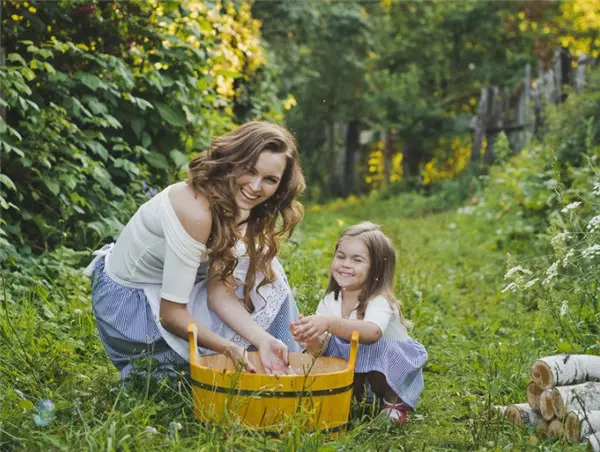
(380, 279)
(214, 173)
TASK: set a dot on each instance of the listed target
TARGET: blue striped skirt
(401, 362)
(132, 339)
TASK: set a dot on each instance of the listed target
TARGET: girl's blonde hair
(214, 173)
(380, 279)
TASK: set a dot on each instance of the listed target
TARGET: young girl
(360, 297)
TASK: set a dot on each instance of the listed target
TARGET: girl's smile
(351, 263)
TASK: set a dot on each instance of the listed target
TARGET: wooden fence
(520, 111)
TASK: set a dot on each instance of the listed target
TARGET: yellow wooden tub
(318, 396)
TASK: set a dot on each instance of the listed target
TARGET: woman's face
(260, 182)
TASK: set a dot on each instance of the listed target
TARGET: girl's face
(260, 182)
(351, 263)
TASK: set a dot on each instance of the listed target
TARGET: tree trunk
(593, 442)
(350, 166)
(563, 370)
(580, 424)
(411, 158)
(579, 79)
(533, 396)
(521, 414)
(546, 408)
(583, 397)
(387, 157)
(555, 429)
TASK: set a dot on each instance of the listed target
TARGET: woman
(218, 234)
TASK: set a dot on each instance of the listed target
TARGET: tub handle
(353, 350)
(193, 340)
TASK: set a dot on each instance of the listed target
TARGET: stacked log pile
(563, 399)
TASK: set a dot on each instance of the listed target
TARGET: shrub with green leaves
(105, 97)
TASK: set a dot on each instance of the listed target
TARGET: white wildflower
(531, 283)
(559, 238)
(596, 189)
(452, 226)
(550, 183)
(571, 206)
(512, 287)
(78, 311)
(510, 273)
(551, 273)
(564, 308)
(151, 430)
(593, 223)
(466, 210)
(566, 259)
(591, 252)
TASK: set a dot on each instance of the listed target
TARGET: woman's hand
(274, 356)
(239, 356)
(309, 330)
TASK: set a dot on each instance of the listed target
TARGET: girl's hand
(309, 329)
(274, 357)
(239, 356)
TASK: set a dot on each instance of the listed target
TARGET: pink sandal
(395, 411)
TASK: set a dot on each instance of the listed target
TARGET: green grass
(449, 276)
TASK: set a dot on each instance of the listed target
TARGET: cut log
(593, 442)
(580, 424)
(521, 414)
(555, 429)
(563, 370)
(499, 409)
(533, 396)
(546, 407)
(542, 427)
(582, 397)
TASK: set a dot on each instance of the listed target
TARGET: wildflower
(514, 270)
(566, 259)
(151, 430)
(452, 226)
(596, 189)
(175, 426)
(559, 238)
(512, 287)
(150, 191)
(564, 308)
(78, 311)
(551, 273)
(531, 283)
(466, 210)
(593, 223)
(591, 251)
(571, 206)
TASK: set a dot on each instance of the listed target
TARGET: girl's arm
(310, 329)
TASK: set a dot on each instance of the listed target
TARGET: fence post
(579, 79)
(520, 135)
(558, 76)
(495, 124)
(480, 126)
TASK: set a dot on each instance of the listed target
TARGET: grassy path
(449, 276)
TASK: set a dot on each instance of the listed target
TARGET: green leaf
(16, 58)
(5, 180)
(171, 115)
(138, 124)
(90, 80)
(53, 186)
(157, 160)
(179, 158)
(102, 176)
(98, 149)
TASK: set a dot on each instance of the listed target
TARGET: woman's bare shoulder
(193, 210)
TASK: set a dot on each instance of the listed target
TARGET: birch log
(533, 396)
(582, 397)
(555, 429)
(521, 414)
(546, 407)
(580, 424)
(593, 442)
(542, 427)
(563, 370)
